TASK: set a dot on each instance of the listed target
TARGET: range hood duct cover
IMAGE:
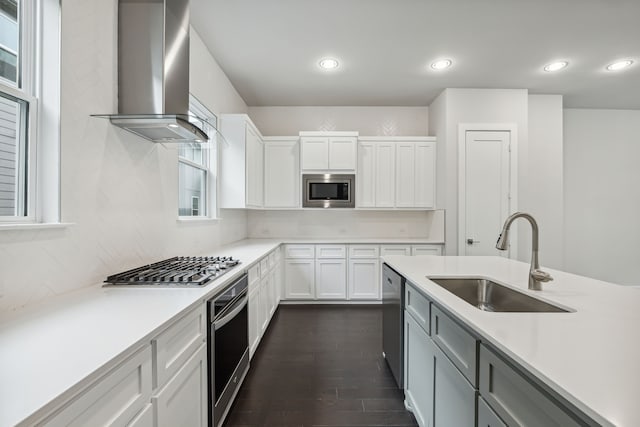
(153, 72)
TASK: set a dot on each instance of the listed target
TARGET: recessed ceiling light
(619, 65)
(556, 66)
(441, 64)
(328, 63)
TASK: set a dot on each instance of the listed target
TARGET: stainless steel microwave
(328, 191)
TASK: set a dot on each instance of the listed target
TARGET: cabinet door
(144, 418)
(281, 174)
(385, 175)
(366, 179)
(454, 398)
(363, 279)
(183, 401)
(486, 416)
(419, 373)
(299, 279)
(342, 153)
(114, 400)
(314, 153)
(425, 174)
(405, 175)
(273, 303)
(263, 307)
(254, 319)
(331, 279)
(255, 168)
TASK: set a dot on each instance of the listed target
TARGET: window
(29, 43)
(197, 171)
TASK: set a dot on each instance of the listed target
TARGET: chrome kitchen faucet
(536, 275)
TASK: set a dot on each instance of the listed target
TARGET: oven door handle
(231, 313)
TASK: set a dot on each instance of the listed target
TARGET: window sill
(35, 226)
(195, 219)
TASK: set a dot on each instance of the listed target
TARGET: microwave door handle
(232, 312)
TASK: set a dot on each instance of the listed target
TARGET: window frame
(39, 50)
(210, 155)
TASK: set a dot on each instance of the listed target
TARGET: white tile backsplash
(120, 191)
(336, 223)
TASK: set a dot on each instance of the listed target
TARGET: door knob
(471, 241)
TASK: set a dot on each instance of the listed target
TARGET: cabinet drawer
(426, 250)
(458, 344)
(331, 251)
(173, 347)
(395, 250)
(299, 251)
(516, 400)
(264, 267)
(417, 305)
(114, 400)
(364, 251)
(486, 416)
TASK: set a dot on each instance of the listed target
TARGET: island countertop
(589, 356)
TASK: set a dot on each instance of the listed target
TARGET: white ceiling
(270, 49)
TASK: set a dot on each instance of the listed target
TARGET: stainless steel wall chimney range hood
(153, 72)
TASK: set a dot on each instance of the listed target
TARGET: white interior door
(487, 187)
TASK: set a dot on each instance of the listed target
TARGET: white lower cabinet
(114, 400)
(331, 279)
(426, 250)
(254, 320)
(144, 418)
(419, 362)
(486, 416)
(454, 398)
(183, 400)
(264, 296)
(437, 392)
(300, 277)
(364, 282)
(515, 399)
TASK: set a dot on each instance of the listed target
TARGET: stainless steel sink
(487, 295)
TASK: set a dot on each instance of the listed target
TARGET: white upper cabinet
(241, 163)
(376, 174)
(328, 151)
(281, 172)
(396, 172)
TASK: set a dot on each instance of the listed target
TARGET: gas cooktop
(175, 272)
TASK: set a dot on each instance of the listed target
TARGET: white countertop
(590, 357)
(49, 351)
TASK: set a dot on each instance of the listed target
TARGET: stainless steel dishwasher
(393, 322)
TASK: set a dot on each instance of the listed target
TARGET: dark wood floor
(321, 365)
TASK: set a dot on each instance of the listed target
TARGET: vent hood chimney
(153, 72)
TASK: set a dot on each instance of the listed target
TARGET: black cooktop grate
(176, 271)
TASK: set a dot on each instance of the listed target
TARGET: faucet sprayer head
(503, 240)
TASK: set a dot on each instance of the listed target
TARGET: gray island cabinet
(453, 379)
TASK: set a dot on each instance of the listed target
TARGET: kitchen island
(587, 357)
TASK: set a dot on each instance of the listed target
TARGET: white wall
(119, 190)
(544, 197)
(369, 121)
(336, 223)
(474, 106)
(602, 199)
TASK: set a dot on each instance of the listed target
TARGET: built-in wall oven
(228, 348)
(328, 191)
